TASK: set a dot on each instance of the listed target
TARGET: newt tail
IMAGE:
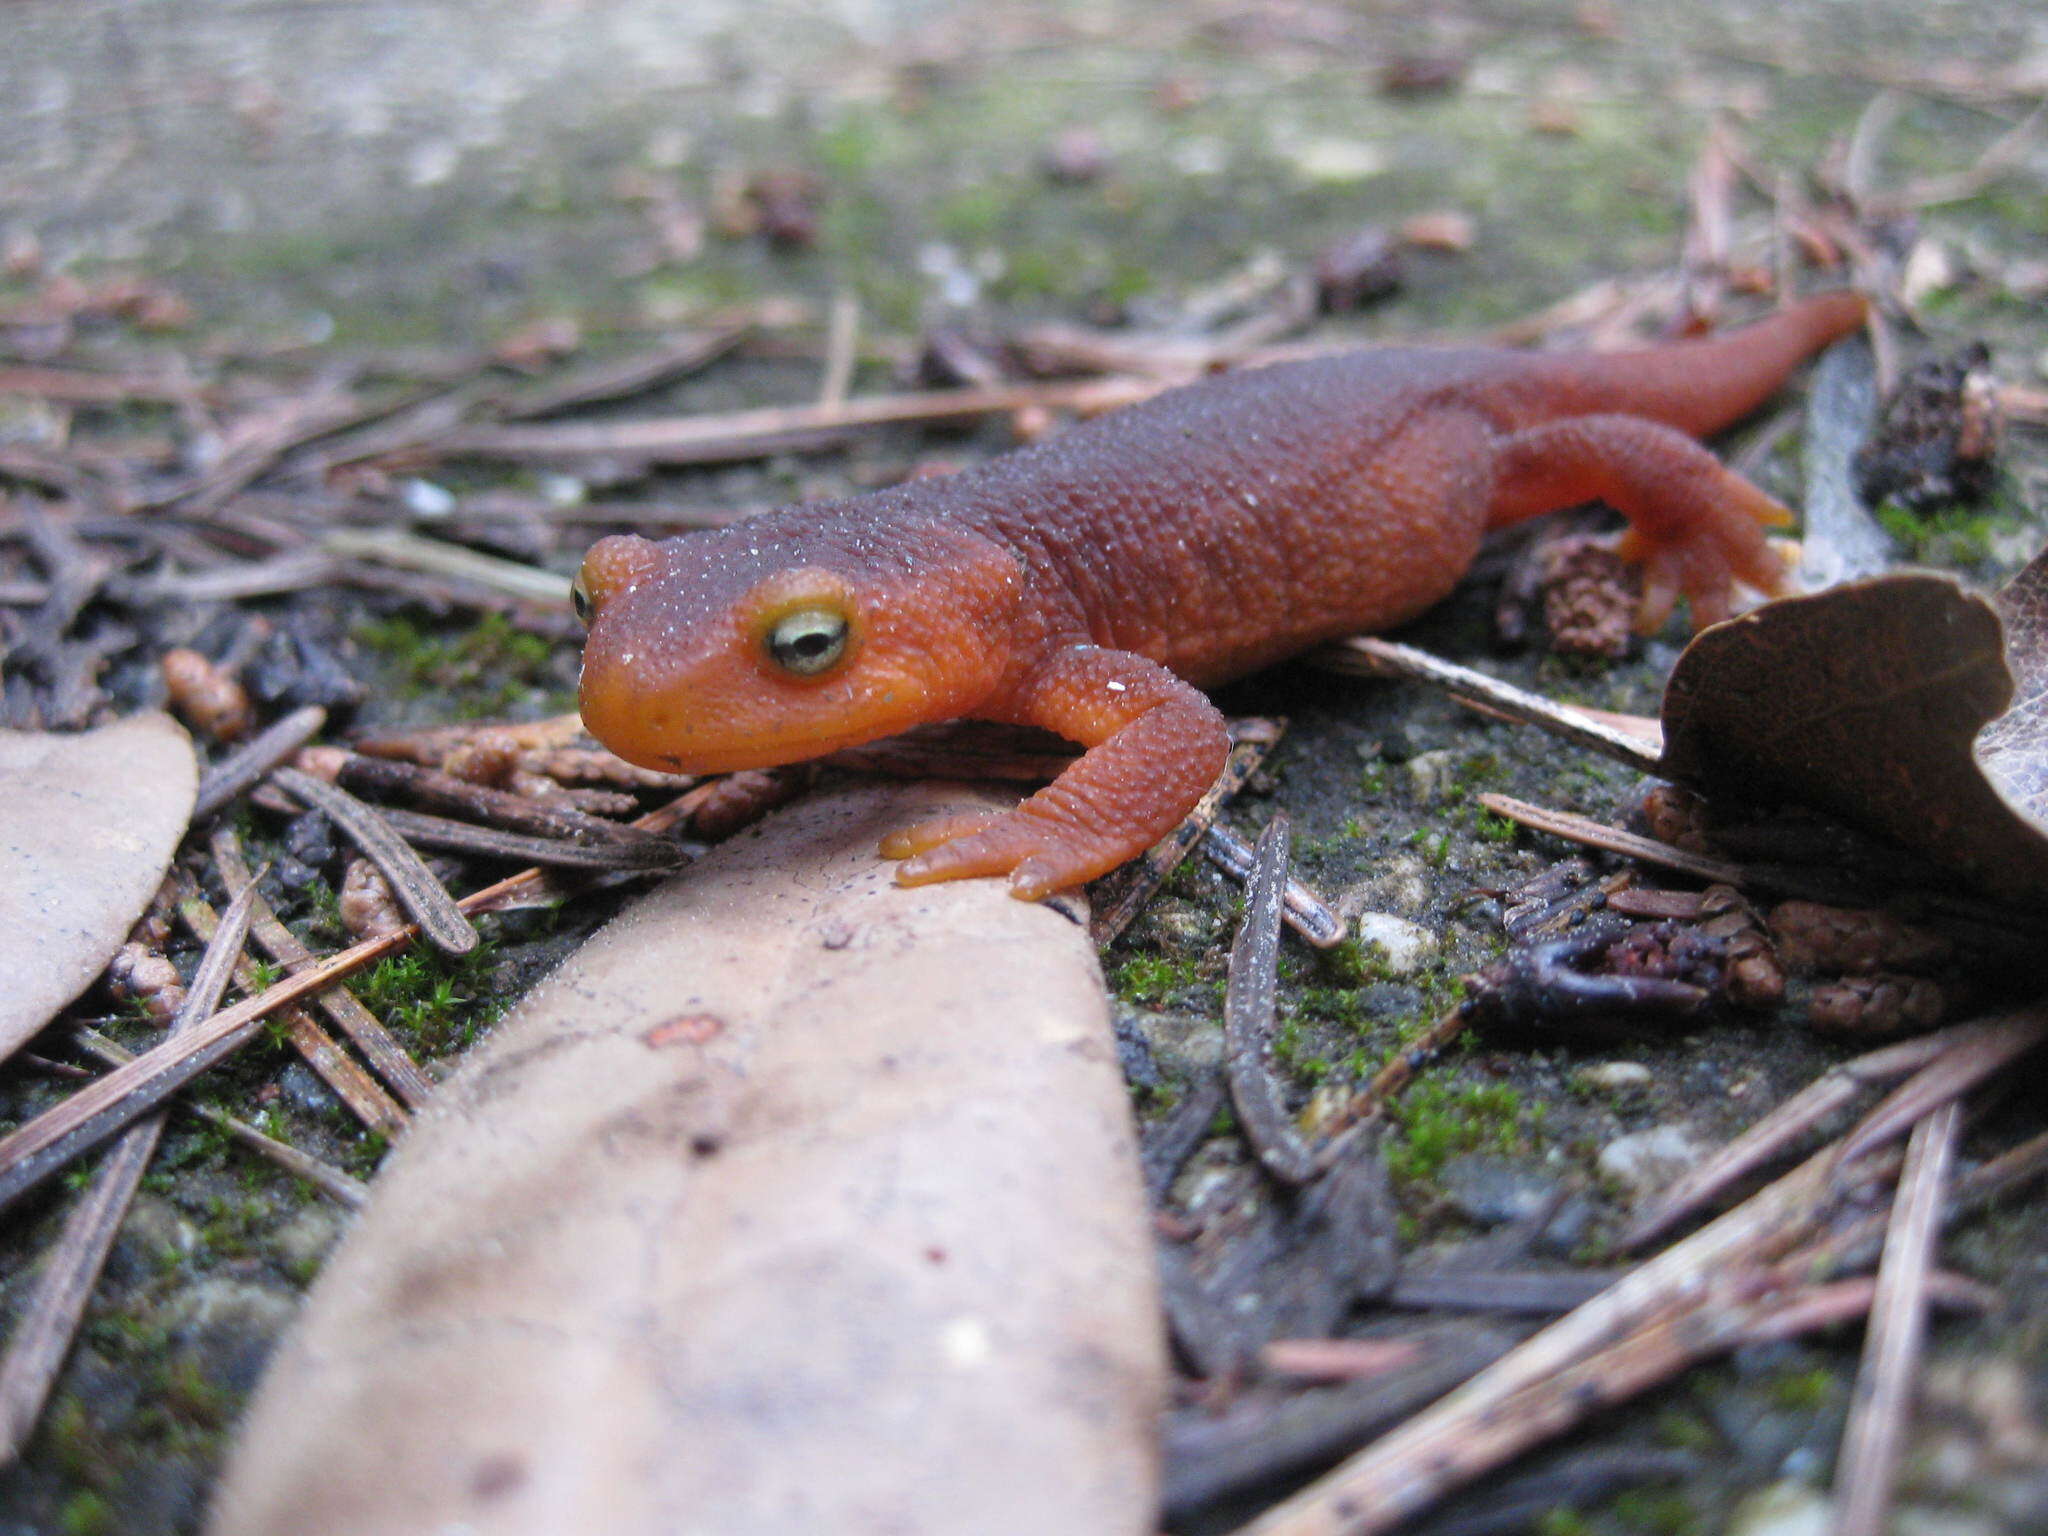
(1092, 584)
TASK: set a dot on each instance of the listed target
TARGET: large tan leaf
(88, 824)
(1867, 701)
(794, 1202)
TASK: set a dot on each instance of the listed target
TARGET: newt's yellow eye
(579, 599)
(808, 641)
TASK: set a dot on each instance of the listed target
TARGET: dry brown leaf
(1866, 701)
(2014, 747)
(88, 824)
(795, 1201)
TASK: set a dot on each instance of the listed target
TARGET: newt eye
(808, 641)
(579, 599)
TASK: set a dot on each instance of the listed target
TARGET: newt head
(788, 637)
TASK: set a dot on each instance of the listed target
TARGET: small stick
(436, 557)
(841, 350)
(1973, 1053)
(391, 1060)
(1370, 656)
(2003, 154)
(1337, 1359)
(516, 813)
(723, 438)
(1875, 1434)
(258, 756)
(1647, 1324)
(629, 376)
(1137, 882)
(294, 571)
(1596, 834)
(361, 1092)
(551, 852)
(1771, 1135)
(422, 896)
(1250, 1006)
(329, 1180)
(36, 1352)
(1370, 1101)
(1300, 908)
(76, 386)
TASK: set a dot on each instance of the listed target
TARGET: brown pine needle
(339, 1187)
(424, 898)
(1371, 656)
(379, 1046)
(362, 1093)
(1646, 1325)
(1975, 1052)
(1249, 1010)
(735, 435)
(1773, 1134)
(36, 1352)
(1597, 834)
(32, 1152)
(1875, 1435)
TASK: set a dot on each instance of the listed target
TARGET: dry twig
(1249, 1010)
(423, 897)
(1875, 1434)
(1370, 656)
(391, 1060)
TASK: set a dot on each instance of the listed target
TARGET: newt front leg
(1155, 744)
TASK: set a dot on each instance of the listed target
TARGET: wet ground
(321, 181)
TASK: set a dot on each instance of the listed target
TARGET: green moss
(187, 1392)
(1804, 1391)
(1489, 828)
(1682, 1430)
(483, 670)
(1563, 1522)
(1658, 1512)
(434, 1002)
(1350, 963)
(1952, 537)
(1153, 978)
(85, 1513)
(1436, 1121)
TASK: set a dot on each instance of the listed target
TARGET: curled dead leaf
(1903, 704)
(794, 1201)
(88, 824)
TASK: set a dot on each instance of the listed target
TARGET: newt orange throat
(1094, 583)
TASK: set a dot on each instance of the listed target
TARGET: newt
(1094, 583)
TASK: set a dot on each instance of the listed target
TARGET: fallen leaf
(2014, 747)
(794, 1201)
(88, 824)
(1867, 701)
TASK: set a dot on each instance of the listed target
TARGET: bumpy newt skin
(1093, 583)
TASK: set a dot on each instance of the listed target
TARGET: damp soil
(322, 183)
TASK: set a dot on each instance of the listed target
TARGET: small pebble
(1617, 1076)
(1407, 946)
(1787, 1507)
(1182, 1044)
(1492, 1191)
(1644, 1162)
(1431, 775)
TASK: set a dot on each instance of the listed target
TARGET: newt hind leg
(1695, 526)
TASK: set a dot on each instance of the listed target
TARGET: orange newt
(1094, 583)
